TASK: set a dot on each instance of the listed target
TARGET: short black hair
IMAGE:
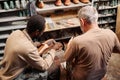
(36, 22)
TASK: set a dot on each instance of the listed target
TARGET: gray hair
(89, 13)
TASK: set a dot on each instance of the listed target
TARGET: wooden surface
(113, 72)
(118, 22)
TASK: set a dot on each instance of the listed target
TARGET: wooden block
(118, 22)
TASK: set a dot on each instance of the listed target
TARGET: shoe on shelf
(58, 3)
(84, 1)
(76, 1)
(67, 2)
(41, 4)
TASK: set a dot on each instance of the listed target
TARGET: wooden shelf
(12, 27)
(12, 19)
(65, 23)
(2, 44)
(55, 29)
(107, 7)
(4, 0)
(49, 0)
(10, 10)
(51, 7)
(63, 38)
(4, 36)
(100, 0)
(22, 25)
(106, 15)
(105, 22)
(1, 58)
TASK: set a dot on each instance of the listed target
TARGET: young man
(87, 55)
(20, 51)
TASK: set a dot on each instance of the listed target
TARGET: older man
(87, 55)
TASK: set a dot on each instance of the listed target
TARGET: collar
(94, 29)
(27, 35)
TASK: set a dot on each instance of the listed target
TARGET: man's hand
(46, 46)
(37, 44)
(50, 42)
(43, 49)
(57, 46)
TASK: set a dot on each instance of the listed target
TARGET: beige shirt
(19, 53)
(88, 54)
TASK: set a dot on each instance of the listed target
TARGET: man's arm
(70, 51)
(33, 58)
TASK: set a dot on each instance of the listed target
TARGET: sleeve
(70, 51)
(33, 59)
(116, 48)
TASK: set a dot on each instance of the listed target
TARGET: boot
(84, 1)
(58, 3)
(76, 1)
(40, 3)
(67, 2)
